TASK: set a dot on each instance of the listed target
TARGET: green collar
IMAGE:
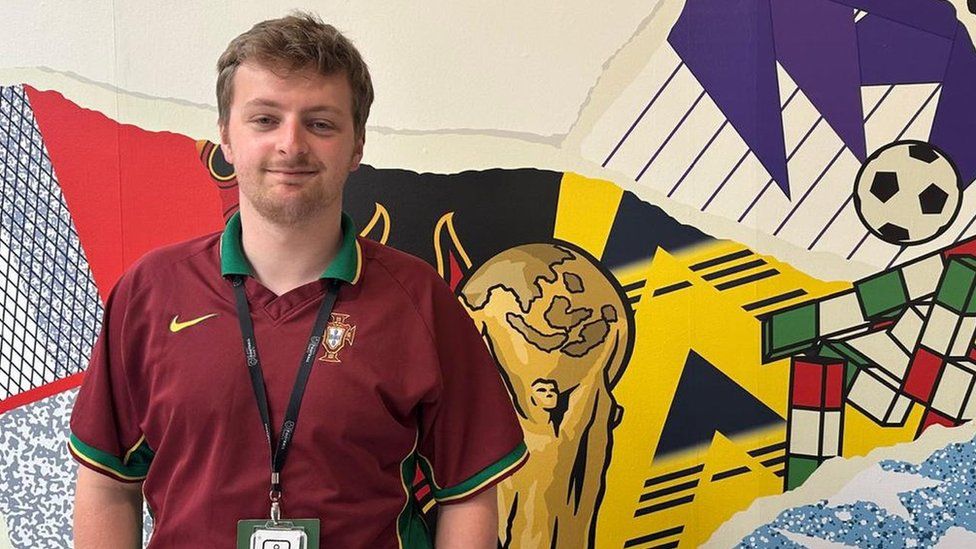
(346, 266)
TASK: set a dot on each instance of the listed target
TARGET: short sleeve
(105, 434)
(470, 436)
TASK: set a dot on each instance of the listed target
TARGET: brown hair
(296, 42)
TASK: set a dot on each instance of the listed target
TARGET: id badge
(291, 534)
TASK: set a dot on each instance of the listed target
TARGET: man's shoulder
(405, 268)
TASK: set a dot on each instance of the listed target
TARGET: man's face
(292, 141)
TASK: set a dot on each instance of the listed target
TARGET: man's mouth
(292, 176)
(293, 171)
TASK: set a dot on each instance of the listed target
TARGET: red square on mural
(817, 383)
(922, 373)
(834, 386)
(807, 384)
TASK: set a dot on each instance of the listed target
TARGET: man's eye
(322, 125)
(263, 120)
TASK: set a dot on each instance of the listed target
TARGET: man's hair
(295, 42)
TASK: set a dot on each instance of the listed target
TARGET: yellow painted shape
(862, 434)
(717, 500)
(645, 392)
(714, 501)
(586, 211)
(715, 325)
(633, 272)
(711, 250)
(668, 327)
(787, 279)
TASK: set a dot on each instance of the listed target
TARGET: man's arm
(470, 524)
(108, 513)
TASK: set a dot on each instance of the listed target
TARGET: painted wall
(753, 220)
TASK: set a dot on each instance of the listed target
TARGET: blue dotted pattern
(932, 510)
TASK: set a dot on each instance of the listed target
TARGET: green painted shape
(955, 291)
(848, 353)
(853, 360)
(881, 293)
(799, 469)
(850, 369)
(786, 332)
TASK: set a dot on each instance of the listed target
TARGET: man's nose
(292, 139)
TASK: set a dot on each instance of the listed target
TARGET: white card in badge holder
(279, 538)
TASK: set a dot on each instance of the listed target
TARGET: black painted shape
(923, 152)
(932, 199)
(884, 185)
(893, 233)
(640, 228)
(707, 401)
(493, 209)
(972, 6)
(219, 164)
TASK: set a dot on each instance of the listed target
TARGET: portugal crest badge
(337, 334)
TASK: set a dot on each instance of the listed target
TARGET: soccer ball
(907, 192)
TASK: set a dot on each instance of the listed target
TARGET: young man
(211, 348)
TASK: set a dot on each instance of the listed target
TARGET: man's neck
(286, 257)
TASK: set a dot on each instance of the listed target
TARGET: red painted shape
(932, 417)
(422, 491)
(129, 190)
(807, 390)
(834, 388)
(922, 373)
(972, 353)
(882, 324)
(964, 247)
(456, 272)
(43, 391)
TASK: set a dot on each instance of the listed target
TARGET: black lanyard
(280, 453)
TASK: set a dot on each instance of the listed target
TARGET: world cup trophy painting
(561, 334)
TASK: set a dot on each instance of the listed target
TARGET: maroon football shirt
(405, 375)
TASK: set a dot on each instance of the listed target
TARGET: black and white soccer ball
(907, 192)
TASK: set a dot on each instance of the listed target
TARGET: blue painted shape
(954, 126)
(817, 45)
(728, 46)
(895, 53)
(639, 229)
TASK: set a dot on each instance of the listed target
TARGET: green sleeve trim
(488, 475)
(135, 465)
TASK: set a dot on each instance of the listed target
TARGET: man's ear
(225, 147)
(357, 153)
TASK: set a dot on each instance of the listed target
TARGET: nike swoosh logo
(175, 325)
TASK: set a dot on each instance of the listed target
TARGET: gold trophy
(561, 333)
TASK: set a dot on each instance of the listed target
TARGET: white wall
(509, 66)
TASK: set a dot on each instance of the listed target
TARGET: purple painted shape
(893, 53)
(935, 16)
(816, 43)
(954, 127)
(728, 46)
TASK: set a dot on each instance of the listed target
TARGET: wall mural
(665, 378)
